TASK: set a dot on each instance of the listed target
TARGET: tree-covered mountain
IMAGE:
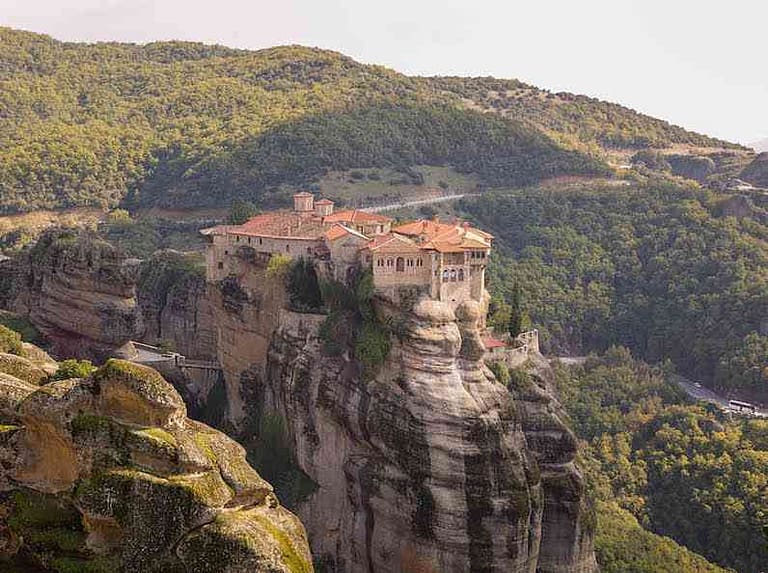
(671, 272)
(681, 470)
(185, 124)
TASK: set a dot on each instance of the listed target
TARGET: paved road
(417, 203)
(694, 390)
(699, 392)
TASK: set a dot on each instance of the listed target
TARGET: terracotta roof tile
(491, 342)
(339, 230)
(356, 216)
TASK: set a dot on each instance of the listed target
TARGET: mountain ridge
(171, 123)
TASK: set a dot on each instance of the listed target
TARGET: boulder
(108, 473)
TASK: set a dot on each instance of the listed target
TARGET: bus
(742, 407)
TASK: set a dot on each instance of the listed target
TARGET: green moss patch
(158, 435)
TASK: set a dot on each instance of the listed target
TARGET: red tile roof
(339, 230)
(392, 243)
(491, 342)
(356, 216)
(446, 237)
(284, 224)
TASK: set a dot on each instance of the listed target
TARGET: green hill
(184, 124)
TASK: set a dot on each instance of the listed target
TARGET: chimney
(303, 203)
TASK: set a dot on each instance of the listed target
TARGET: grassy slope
(184, 124)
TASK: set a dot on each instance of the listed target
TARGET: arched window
(389, 262)
(287, 248)
(400, 265)
(453, 275)
(446, 275)
(309, 251)
(461, 275)
(260, 241)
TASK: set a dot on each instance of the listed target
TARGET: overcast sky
(698, 63)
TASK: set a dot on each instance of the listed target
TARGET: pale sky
(702, 64)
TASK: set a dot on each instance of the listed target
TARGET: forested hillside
(183, 124)
(671, 272)
(679, 469)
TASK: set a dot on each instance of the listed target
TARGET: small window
(461, 275)
(453, 275)
(220, 265)
(446, 276)
(237, 238)
(260, 241)
(287, 248)
(226, 252)
(249, 240)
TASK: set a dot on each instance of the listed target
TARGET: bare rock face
(108, 473)
(430, 465)
(568, 519)
(173, 297)
(757, 171)
(78, 290)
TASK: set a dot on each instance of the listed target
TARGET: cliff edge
(107, 473)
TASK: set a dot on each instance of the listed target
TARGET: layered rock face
(568, 519)
(108, 474)
(430, 465)
(173, 297)
(78, 290)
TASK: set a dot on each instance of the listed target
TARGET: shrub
(372, 346)
(303, 286)
(119, 217)
(72, 368)
(519, 379)
(501, 371)
(278, 265)
(241, 211)
(10, 341)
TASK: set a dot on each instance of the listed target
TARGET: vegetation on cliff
(658, 268)
(679, 469)
(106, 473)
(183, 124)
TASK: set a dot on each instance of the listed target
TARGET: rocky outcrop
(756, 172)
(694, 167)
(78, 290)
(568, 521)
(173, 297)
(429, 465)
(108, 474)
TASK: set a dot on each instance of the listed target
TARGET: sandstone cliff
(429, 465)
(108, 474)
(78, 290)
(172, 295)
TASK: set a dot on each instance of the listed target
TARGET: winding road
(693, 389)
(418, 202)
